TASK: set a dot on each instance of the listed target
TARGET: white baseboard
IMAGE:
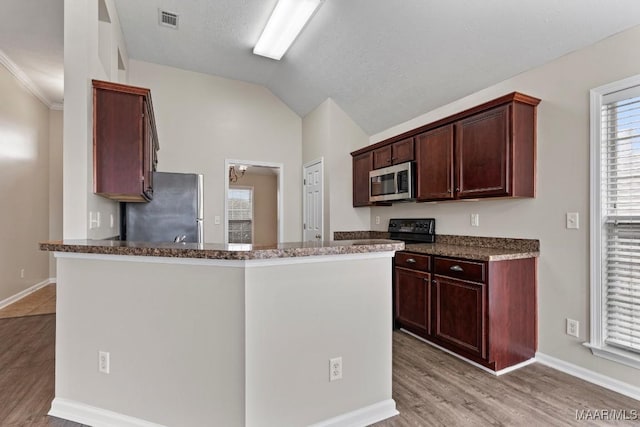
(95, 417)
(590, 376)
(362, 417)
(20, 295)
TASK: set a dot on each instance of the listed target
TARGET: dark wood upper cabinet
(486, 151)
(483, 152)
(398, 152)
(124, 142)
(434, 155)
(362, 165)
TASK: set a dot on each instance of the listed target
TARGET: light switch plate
(475, 220)
(573, 220)
(216, 220)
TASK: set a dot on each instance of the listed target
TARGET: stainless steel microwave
(392, 183)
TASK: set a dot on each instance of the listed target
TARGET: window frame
(598, 325)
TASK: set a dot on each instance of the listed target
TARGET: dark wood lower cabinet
(412, 299)
(459, 310)
(483, 311)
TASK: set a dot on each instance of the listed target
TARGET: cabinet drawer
(413, 261)
(465, 270)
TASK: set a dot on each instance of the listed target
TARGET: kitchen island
(212, 335)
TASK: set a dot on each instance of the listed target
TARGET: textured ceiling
(382, 61)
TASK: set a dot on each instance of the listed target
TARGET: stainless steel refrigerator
(174, 214)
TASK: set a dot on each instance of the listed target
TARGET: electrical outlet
(216, 220)
(103, 362)
(377, 219)
(22, 273)
(475, 220)
(573, 328)
(335, 369)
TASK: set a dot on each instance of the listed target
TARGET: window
(615, 221)
(240, 214)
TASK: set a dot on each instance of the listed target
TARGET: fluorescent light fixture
(285, 23)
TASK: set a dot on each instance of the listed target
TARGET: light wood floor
(431, 388)
(42, 301)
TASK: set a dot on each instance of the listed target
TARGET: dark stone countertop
(222, 251)
(468, 247)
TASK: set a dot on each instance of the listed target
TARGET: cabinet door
(118, 152)
(412, 299)
(362, 165)
(434, 155)
(402, 151)
(483, 154)
(459, 314)
(382, 157)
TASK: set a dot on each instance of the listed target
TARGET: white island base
(223, 342)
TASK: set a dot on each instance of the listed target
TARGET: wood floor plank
(42, 301)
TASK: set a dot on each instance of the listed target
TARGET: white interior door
(313, 200)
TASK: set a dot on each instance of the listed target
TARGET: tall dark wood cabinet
(125, 142)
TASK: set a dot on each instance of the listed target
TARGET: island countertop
(223, 251)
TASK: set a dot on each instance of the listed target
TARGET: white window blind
(620, 218)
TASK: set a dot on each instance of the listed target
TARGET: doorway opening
(253, 203)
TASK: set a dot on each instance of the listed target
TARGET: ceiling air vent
(168, 19)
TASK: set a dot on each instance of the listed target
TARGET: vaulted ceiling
(382, 61)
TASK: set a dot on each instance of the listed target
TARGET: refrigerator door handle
(200, 197)
(200, 231)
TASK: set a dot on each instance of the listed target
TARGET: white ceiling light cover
(285, 23)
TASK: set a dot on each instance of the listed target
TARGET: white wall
(562, 186)
(329, 133)
(24, 187)
(84, 36)
(55, 182)
(224, 343)
(203, 120)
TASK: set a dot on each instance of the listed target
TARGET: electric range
(413, 230)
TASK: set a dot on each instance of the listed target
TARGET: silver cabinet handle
(411, 261)
(455, 268)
